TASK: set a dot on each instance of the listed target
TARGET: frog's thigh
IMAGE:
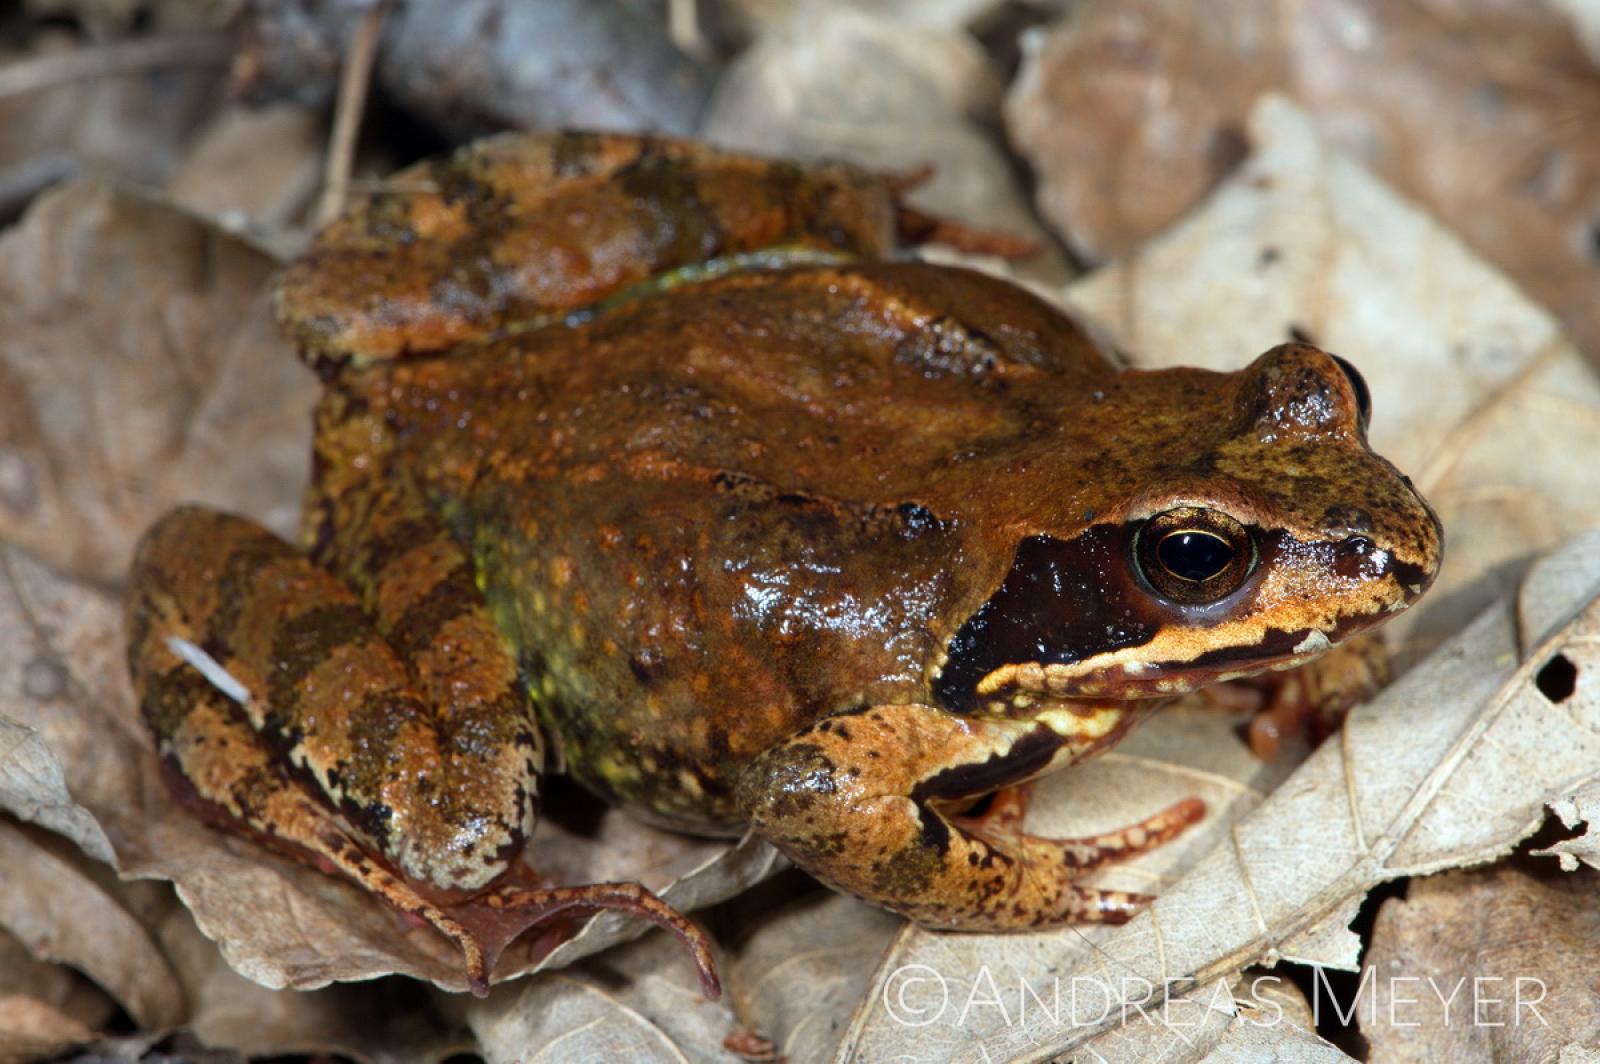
(420, 591)
(861, 801)
(321, 689)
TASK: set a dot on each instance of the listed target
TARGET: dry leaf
(23, 973)
(69, 107)
(638, 1003)
(799, 971)
(1487, 965)
(388, 1020)
(1485, 111)
(744, 21)
(139, 365)
(1119, 156)
(1249, 1042)
(1582, 807)
(65, 917)
(253, 170)
(32, 1030)
(841, 83)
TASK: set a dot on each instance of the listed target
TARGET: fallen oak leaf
(1483, 111)
(1488, 964)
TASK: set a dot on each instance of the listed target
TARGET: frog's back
(710, 515)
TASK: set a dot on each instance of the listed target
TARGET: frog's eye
(1194, 555)
(1358, 385)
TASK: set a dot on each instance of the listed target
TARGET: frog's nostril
(1342, 518)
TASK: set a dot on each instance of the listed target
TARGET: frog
(675, 470)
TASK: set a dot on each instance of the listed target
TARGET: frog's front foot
(1312, 699)
(864, 801)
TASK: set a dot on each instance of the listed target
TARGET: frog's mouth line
(1014, 686)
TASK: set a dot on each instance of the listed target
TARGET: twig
(685, 30)
(117, 59)
(354, 80)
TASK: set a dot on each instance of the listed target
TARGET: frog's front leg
(864, 801)
(280, 700)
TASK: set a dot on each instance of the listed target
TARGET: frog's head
(1242, 525)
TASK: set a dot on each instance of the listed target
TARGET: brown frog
(656, 462)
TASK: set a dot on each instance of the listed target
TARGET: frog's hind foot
(495, 919)
(999, 827)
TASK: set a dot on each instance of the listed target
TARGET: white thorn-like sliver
(208, 666)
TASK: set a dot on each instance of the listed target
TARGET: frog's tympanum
(658, 464)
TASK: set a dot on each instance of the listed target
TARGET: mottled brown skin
(640, 450)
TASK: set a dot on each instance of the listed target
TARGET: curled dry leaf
(65, 917)
(1495, 964)
(1483, 110)
(21, 973)
(896, 98)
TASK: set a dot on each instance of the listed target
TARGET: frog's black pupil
(1193, 555)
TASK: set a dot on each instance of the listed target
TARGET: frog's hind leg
(862, 800)
(268, 683)
(524, 228)
(420, 590)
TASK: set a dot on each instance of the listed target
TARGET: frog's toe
(1312, 699)
(497, 918)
